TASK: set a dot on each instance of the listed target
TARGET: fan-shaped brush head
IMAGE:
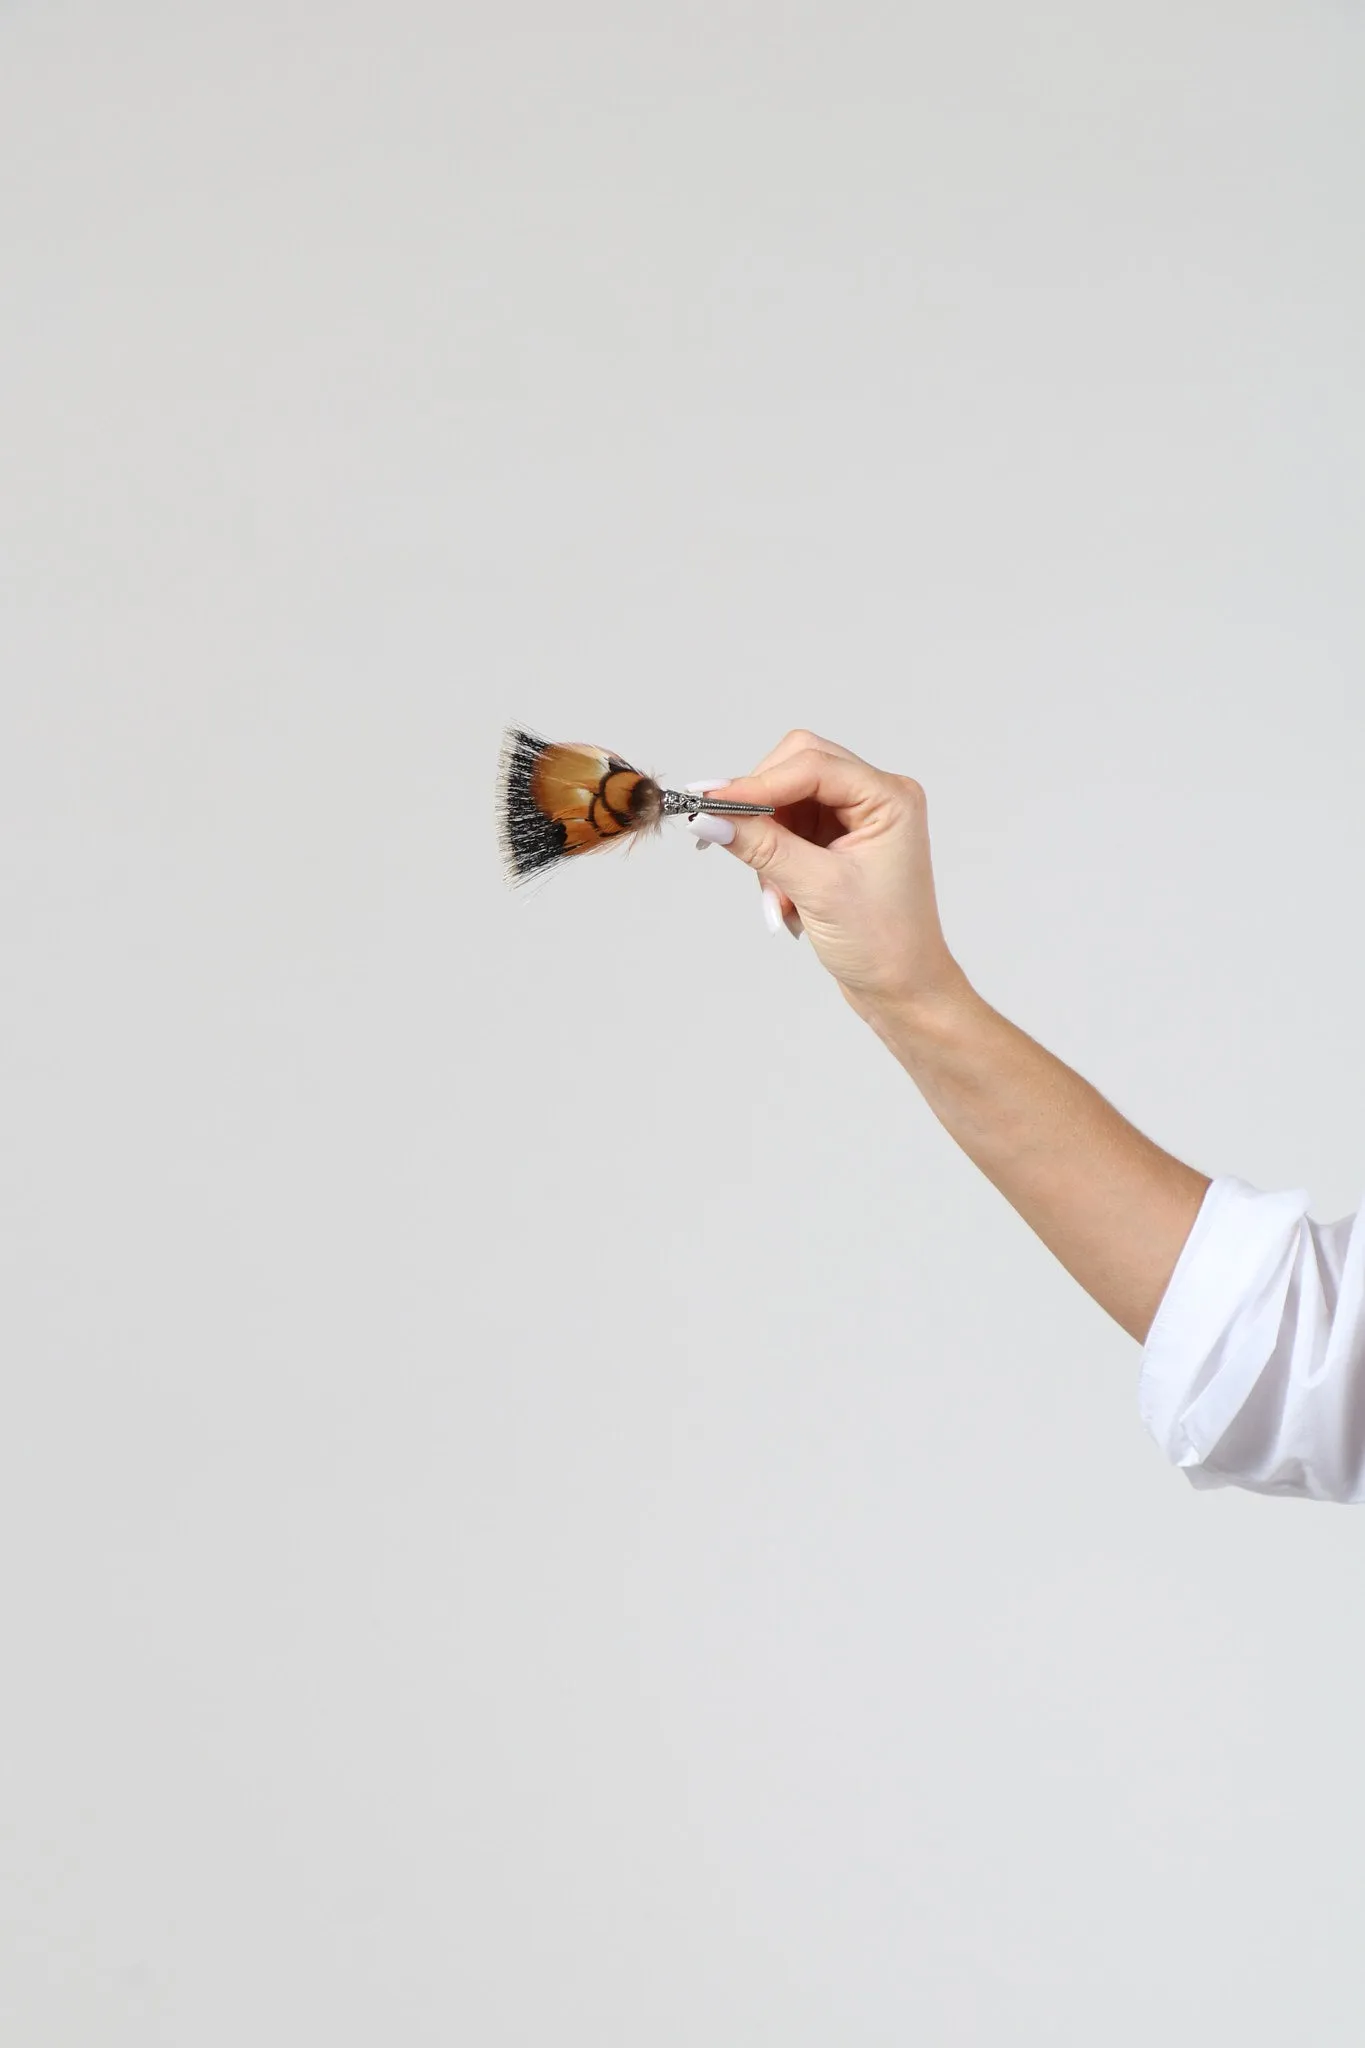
(555, 800)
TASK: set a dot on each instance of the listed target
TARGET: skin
(847, 857)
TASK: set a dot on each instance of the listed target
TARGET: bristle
(529, 840)
(557, 800)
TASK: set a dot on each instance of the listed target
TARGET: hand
(846, 854)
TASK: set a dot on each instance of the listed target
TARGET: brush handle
(686, 802)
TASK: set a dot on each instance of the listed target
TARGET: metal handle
(680, 802)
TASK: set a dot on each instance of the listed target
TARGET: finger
(796, 742)
(804, 785)
(838, 782)
(807, 820)
(779, 912)
(784, 860)
(786, 911)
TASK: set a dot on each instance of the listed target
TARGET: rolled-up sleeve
(1253, 1371)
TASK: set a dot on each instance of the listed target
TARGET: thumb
(781, 857)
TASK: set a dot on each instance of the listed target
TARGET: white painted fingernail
(792, 921)
(713, 831)
(772, 910)
(716, 782)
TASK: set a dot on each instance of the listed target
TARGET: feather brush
(555, 800)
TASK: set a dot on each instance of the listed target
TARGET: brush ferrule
(679, 803)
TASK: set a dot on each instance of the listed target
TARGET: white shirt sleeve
(1253, 1372)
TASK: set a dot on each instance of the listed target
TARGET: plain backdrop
(541, 1499)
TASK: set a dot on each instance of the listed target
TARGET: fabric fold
(1253, 1371)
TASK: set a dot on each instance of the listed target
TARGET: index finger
(797, 742)
(851, 788)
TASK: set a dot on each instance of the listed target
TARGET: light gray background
(541, 1499)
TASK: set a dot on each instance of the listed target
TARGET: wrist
(922, 1019)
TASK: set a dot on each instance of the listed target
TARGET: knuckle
(910, 789)
(801, 739)
(762, 849)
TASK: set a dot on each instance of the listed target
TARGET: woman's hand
(846, 854)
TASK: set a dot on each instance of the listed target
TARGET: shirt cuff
(1219, 1319)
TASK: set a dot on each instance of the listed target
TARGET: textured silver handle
(687, 802)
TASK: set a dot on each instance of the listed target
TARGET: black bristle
(530, 841)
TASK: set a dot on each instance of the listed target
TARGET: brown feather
(558, 799)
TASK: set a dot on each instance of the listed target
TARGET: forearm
(1108, 1203)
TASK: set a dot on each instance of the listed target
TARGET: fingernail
(772, 910)
(716, 782)
(708, 830)
(792, 920)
